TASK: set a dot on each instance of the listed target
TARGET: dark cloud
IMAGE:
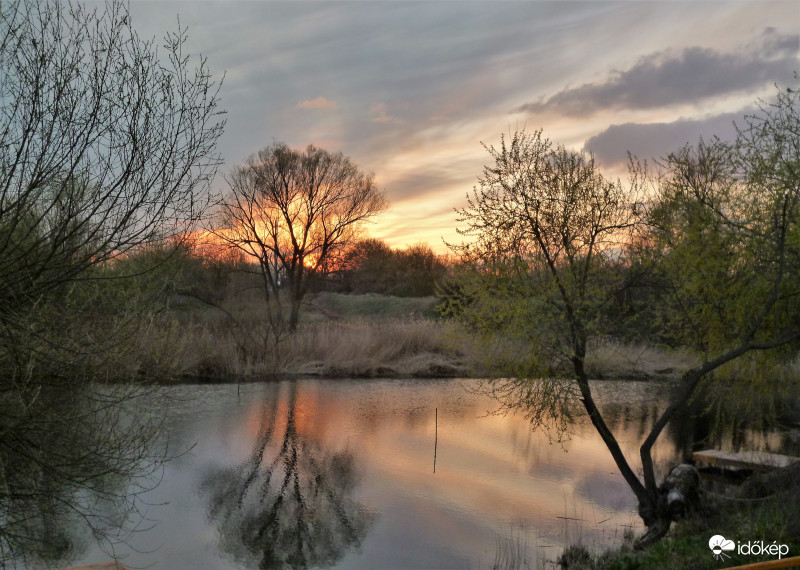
(778, 45)
(415, 184)
(428, 180)
(655, 140)
(668, 78)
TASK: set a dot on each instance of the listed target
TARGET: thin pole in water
(436, 440)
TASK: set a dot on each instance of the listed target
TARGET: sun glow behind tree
(294, 211)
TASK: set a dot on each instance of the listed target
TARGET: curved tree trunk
(676, 495)
(660, 505)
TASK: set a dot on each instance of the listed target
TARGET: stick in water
(436, 440)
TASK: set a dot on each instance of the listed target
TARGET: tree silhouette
(293, 210)
(289, 504)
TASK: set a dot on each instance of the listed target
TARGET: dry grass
(353, 337)
(214, 345)
(216, 349)
(338, 306)
(496, 355)
(373, 348)
(513, 553)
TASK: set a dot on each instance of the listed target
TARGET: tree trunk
(294, 315)
(658, 506)
(648, 501)
(676, 495)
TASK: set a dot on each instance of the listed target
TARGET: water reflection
(339, 474)
(289, 503)
(73, 463)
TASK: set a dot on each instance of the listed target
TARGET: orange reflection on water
(491, 470)
(344, 469)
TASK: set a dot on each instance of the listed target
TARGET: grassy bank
(347, 335)
(764, 509)
(340, 336)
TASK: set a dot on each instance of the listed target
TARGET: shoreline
(284, 376)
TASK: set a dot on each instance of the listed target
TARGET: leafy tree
(292, 210)
(543, 221)
(720, 233)
(723, 236)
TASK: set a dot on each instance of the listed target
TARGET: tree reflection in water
(290, 503)
(73, 462)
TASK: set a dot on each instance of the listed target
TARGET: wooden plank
(754, 460)
(793, 562)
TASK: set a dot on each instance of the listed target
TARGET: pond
(340, 474)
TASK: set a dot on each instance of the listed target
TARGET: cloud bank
(655, 140)
(691, 75)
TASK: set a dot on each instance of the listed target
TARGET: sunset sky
(409, 90)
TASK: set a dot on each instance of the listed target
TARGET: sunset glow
(359, 284)
(414, 102)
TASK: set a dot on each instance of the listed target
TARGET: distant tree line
(368, 265)
(371, 266)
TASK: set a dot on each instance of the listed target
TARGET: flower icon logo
(719, 545)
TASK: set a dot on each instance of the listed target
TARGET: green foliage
(721, 245)
(722, 254)
(547, 235)
(556, 248)
(547, 231)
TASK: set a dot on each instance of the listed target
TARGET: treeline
(209, 273)
(371, 266)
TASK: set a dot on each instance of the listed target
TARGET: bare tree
(292, 210)
(106, 143)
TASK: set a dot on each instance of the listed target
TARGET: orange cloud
(318, 103)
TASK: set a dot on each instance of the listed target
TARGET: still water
(340, 474)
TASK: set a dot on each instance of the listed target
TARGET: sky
(410, 90)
